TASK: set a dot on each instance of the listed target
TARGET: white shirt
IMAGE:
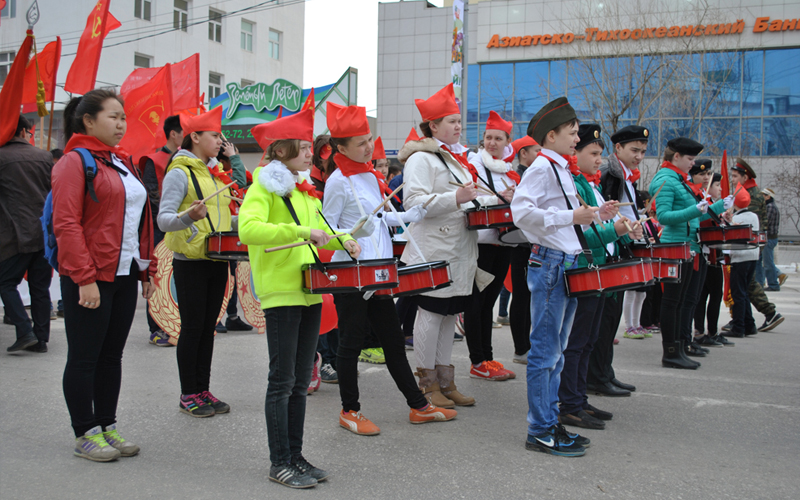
(135, 198)
(600, 200)
(629, 211)
(745, 217)
(341, 211)
(539, 208)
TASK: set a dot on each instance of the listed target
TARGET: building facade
(725, 72)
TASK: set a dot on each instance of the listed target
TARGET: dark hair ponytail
(89, 104)
(335, 142)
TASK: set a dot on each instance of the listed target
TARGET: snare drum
(736, 237)
(350, 276)
(614, 277)
(759, 239)
(420, 278)
(398, 246)
(493, 217)
(666, 270)
(225, 246)
(671, 251)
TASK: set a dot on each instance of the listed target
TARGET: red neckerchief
(309, 188)
(572, 164)
(683, 175)
(553, 161)
(593, 179)
(514, 177)
(751, 183)
(92, 143)
(238, 192)
(697, 189)
(349, 167)
(461, 159)
(317, 174)
(635, 174)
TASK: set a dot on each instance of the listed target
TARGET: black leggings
(520, 310)
(672, 301)
(95, 340)
(478, 319)
(200, 287)
(711, 293)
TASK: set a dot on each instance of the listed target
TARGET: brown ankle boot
(429, 385)
(448, 386)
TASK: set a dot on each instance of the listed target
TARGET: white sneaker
(521, 358)
(93, 446)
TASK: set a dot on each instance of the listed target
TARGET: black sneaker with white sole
(554, 442)
(771, 322)
(315, 472)
(724, 341)
(579, 440)
(707, 341)
(291, 475)
(727, 326)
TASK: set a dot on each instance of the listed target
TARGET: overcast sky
(339, 34)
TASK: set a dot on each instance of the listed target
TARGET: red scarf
(683, 175)
(462, 160)
(514, 177)
(350, 167)
(92, 143)
(569, 166)
(635, 174)
(572, 164)
(309, 188)
(751, 183)
(593, 179)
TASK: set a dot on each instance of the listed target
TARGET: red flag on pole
(725, 183)
(48, 58)
(83, 72)
(146, 108)
(310, 102)
(185, 77)
(11, 93)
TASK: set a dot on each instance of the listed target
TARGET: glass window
(673, 128)
(275, 44)
(246, 38)
(530, 89)
(214, 85)
(215, 26)
(140, 61)
(6, 58)
(653, 142)
(781, 136)
(180, 15)
(473, 84)
(497, 90)
(721, 77)
(752, 83)
(471, 135)
(647, 104)
(719, 135)
(520, 130)
(751, 137)
(141, 9)
(682, 83)
(558, 80)
(10, 10)
(781, 84)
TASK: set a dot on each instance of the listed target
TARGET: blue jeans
(292, 335)
(770, 270)
(552, 313)
(505, 295)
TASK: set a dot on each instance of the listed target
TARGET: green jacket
(607, 234)
(676, 209)
(758, 206)
(265, 222)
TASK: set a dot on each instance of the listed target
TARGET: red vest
(160, 160)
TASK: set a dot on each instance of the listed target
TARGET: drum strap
(363, 213)
(297, 221)
(710, 212)
(200, 196)
(490, 185)
(587, 252)
(474, 202)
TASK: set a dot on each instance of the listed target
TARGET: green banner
(263, 96)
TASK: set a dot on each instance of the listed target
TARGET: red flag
(280, 112)
(48, 70)
(185, 77)
(11, 92)
(725, 183)
(83, 72)
(33, 136)
(310, 102)
(146, 108)
(137, 78)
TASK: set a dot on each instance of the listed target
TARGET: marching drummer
(354, 188)
(282, 207)
(493, 257)
(546, 209)
(680, 213)
(187, 214)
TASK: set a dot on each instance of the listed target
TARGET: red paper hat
(742, 198)
(412, 136)
(522, 142)
(347, 121)
(207, 122)
(298, 126)
(496, 122)
(378, 153)
(439, 105)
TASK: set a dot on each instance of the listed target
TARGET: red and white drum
(666, 270)
(670, 251)
(420, 278)
(225, 246)
(759, 239)
(735, 237)
(351, 276)
(398, 246)
(493, 217)
(614, 277)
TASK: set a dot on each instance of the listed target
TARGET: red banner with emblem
(83, 72)
(146, 108)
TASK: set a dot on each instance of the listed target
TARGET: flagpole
(41, 132)
(50, 128)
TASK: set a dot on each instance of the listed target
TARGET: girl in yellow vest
(200, 283)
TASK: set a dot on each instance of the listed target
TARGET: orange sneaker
(357, 423)
(431, 414)
(487, 371)
(499, 367)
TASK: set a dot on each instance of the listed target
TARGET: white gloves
(702, 206)
(414, 214)
(728, 201)
(367, 229)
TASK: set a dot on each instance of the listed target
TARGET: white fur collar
(276, 178)
(493, 165)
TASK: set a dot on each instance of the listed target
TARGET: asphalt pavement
(727, 431)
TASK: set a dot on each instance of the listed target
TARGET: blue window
(558, 79)
(782, 82)
(718, 135)
(497, 90)
(752, 83)
(471, 135)
(530, 89)
(781, 136)
(751, 137)
(721, 73)
(473, 83)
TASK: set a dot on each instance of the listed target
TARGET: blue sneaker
(555, 442)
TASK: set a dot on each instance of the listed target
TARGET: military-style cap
(700, 166)
(743, 167)
(685, 146)
(589, 133)
(553, 114)
(630, 133)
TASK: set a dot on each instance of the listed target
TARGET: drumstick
(710, 180)
(476, 186)
(218, 191)
(627, 226)
(730, 210)
(623, 204)
(659, 190)
(298, 244)
(234, 198)
(505, 183)
(425, 205)
(389, 197)
(584, 205)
